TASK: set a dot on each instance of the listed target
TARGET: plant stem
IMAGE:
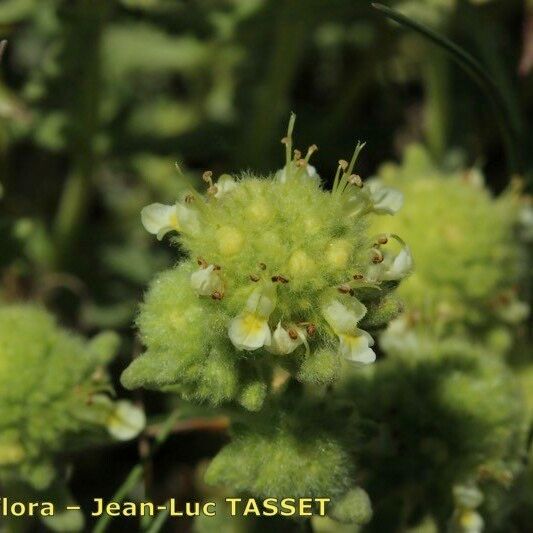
(83, 39)
(437, 108)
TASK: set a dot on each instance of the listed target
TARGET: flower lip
(384, 200)
(160, 219)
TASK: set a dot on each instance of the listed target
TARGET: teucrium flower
(225, 184)
(355, 344)
(250, 329)
(207, 281)
(125, 421)
(384, 200)
(285, 341)
(160, 219)
(271, 251)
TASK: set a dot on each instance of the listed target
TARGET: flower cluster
(55, 396)
(279, 271)
(469, 258)
(412, 463)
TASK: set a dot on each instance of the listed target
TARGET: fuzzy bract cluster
(279, 271)
(468, 251)
(439, 425)
(55, 395)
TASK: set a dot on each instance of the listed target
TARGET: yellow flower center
(252, 323)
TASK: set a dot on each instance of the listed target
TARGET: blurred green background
(99, 99)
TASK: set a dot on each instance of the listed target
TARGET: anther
(311, 329)
(217, 295)
(279, 278)
(202, 262)
(207, 176)
(285, 140)
(254, 278)
(217, 267)
(343, 164)
(356, 180)
(344, 288)
(189, 199)
(377, 256)
(382, 239)
(262, 266)
(212, 190)
(293, 334)
(297, 155)
(358, 277)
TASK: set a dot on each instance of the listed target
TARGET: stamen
(310, 151)
(293, 334)
(356, 180)
(343, 164)
(311, 329)
(207, 176)
(279, 278)
(297, 155)
(287, 141)
(212, 190)
(377, 256)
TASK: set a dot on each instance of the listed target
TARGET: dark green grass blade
(476, 71)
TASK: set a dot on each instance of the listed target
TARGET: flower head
(272, 250)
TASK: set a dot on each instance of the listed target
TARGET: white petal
(206, 281)
(281, 174)
(341, 318)
(282, 343)
(159, 217)
(262, 301)
(126, 421)
(311, 171)
(225, 184)
(249, 331)
(189, 221)
(402, 265)
(385, 199)
(357, 348)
